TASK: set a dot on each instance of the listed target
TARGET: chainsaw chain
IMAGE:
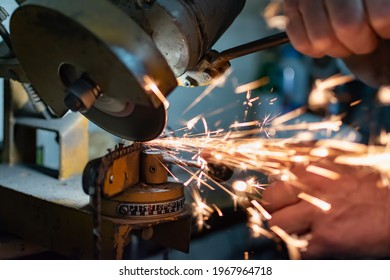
(107, 160)
(104, 164)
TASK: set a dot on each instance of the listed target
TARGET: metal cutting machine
(115, 62)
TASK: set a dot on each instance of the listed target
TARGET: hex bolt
(81, 95)
(123, 210)
(190, 82)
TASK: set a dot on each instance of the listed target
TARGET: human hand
(337, 28)
(355, 30)
(357, 224)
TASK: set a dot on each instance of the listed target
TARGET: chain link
(97, 183)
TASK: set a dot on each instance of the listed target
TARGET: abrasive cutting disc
(58, 41)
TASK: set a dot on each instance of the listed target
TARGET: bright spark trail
(252, 145)
(248, 146)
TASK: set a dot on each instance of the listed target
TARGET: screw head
(123, 210)
(111, 179)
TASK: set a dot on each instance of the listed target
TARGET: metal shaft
(252, 47)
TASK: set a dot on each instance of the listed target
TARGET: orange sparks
(201, 211)
(151, 86)
(322, 94)
(246, 124)
(345, 146)
(255, 217)
(191, 123)
(261, 209)
(327, 125)
(355, 103)
(240, 186)
(216, 83)
(333, 82)
(323, 172)
(218, 210)
(294, 242)
(258, 231)
(273, 15)
(379, 160)
(324, 206)
(320, 152)
(252, 85)
(384, 95)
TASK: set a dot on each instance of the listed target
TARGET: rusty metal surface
(153, 170)
(55, 214)
(144, 193)
(146, 202)
(116, 191)
(122, 173)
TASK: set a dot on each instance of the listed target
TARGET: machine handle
(252, 47)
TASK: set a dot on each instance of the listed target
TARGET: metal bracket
(204, 73)
(214, 64)
(20, 139)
